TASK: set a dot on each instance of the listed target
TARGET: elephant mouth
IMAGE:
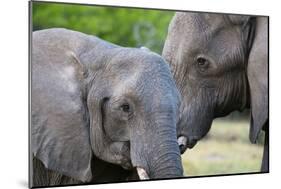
(127, 165)
(126, 162)
(191, 144)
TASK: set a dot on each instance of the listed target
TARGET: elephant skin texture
(220, 64)
(100, 111)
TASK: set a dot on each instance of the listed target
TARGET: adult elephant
(97, 106)
(220, 64)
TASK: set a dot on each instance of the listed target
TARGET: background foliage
(122, 26)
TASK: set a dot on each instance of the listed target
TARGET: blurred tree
(130, 27)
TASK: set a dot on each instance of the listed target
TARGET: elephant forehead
(127, 84)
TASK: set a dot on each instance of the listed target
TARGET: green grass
(226, 150)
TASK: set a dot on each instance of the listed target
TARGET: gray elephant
(100, 112)
(220, 64)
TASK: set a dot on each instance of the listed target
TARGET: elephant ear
(59, 123)
(258, 78)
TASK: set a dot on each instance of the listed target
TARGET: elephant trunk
(159, 156)
(167, 161)
(194, 123)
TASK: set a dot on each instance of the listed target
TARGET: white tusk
(142, 173)
(182, 141)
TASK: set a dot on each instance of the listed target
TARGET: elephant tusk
(142, 173)
(182, 140)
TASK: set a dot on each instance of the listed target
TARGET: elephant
(220, 65)
(100, 112)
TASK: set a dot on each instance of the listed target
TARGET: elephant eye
(201, 61)
(125, 107)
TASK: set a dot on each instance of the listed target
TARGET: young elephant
(96, 105)
(220, 64)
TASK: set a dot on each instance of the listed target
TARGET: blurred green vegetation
(225, 150)
(122, 26)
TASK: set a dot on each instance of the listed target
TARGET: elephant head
(91, 99)
(219, 63)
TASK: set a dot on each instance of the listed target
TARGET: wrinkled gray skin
(95, 102)
(219, 63)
